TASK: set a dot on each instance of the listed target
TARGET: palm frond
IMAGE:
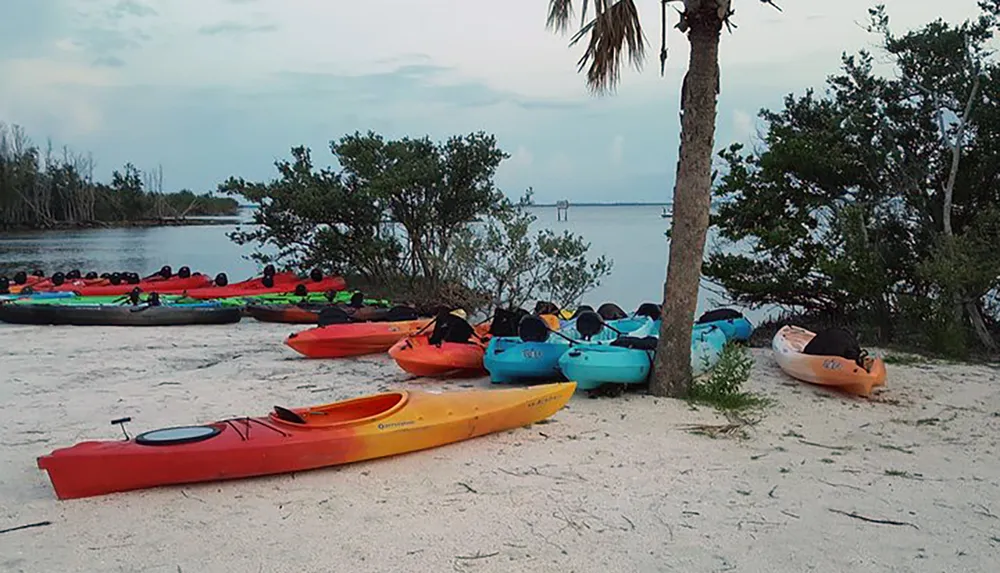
(615, 34)
(560, 13)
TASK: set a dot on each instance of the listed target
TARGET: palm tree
(615, 32)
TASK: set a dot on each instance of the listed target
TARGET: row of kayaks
(167, 299)
(192, 285)
(588, 348)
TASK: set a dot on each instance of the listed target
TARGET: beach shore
(908, 480)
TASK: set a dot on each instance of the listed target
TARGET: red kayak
(255, 287)
(174, 285)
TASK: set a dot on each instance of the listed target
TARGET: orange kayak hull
(352, 339)
(295, 440)
(832, 371)
(419, 357)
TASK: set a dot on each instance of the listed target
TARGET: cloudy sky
(213, 88)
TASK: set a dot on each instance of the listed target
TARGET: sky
(209, 89)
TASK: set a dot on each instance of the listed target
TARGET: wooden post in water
(562, 210)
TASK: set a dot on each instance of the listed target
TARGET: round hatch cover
(178, 435)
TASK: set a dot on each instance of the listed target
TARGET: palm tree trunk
(692, 201)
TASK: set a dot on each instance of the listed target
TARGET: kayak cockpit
(344, 413)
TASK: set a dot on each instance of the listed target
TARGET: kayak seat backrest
(401, 313)
(588, 323)
(358, 299)
(450, 328)
(333, 315)
(505, 322)
(532, 329)
(835, 342)
(611, 311)
(720, 314)
(635, 343)
(649, 309)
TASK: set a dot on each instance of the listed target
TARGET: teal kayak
(534, 354)
(733, 323)
(629, 360)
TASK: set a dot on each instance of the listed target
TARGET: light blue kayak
(733, 323)
(629, 360)
(511, 359)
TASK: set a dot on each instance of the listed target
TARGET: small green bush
(723, 387)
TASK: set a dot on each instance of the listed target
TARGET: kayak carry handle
(121, 422)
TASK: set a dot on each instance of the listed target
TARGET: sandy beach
(906, 481)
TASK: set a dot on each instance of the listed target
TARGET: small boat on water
(666, 214)
(293, 440)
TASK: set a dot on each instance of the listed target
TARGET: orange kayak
(293, 440)
(352, 339)
(419, 357)
(833, 371)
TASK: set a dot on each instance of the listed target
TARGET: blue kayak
(511, 359)
(630, 359)
(38, 295)
(733, 323)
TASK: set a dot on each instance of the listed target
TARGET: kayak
(834, 371)
(353, 338)
(36, 297)
(733, 324)
(629, 359)
(118, 315)
(70, 299)
(416, 355)
(172, 285)
(294, 440)
(255, 287)
(309, 313)
(535, 354)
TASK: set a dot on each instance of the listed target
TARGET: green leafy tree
(873, 204)
(414, 218)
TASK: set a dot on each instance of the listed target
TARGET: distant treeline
(42, 189)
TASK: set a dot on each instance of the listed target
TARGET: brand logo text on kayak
(384, 426)
(541, 401)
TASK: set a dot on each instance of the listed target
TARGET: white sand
(608, 485)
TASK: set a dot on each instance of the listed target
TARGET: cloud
(236, 28)
(207, 107)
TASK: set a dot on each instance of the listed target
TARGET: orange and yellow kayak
(353, 338)
(292, 440)
(833, 371)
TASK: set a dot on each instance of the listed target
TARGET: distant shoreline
(139, 223)
(589, 204)
(616, 204)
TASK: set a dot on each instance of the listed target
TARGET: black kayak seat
(636, 343)
(720, 314)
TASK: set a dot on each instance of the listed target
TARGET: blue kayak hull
(734, 328)
(509, 359)
(592, 366)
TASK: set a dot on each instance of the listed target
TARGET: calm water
(632, 236)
